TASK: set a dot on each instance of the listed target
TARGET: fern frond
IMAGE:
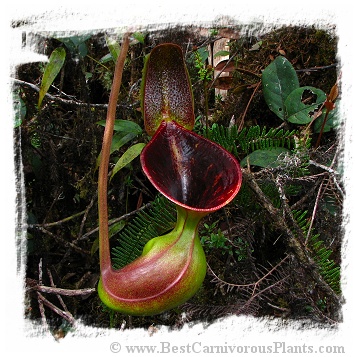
(329, 270)
(154, 221)
(250, 139)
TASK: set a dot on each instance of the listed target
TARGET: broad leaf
(125, 131)
(299, 108)
(203, 52)
(76, 44)
(265, 158)
(53, 67)
(113, 46)
(139, 36)
(126, 126)
(221, 54)
(130, 154)
(279, 79)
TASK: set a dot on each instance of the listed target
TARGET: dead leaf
(223, 83)
(230, 66)
(334, 92)
(241, 88)
(256, 46)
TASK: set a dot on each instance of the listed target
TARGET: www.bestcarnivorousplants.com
(199, 347)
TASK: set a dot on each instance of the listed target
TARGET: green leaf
(53, 67)
(139, 36)
(203, 52)
(130, 154)
(114, 229)
(106, 58)
(279, 79)
(126, 126)
(221, 53)
(120, 139)
(126, 130)
(299, 108)
(82, 49)
(76, 44)
(113, 46)
(264, 158)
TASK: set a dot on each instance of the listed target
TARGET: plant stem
(322, 129)
(205, 92)
(105, 258)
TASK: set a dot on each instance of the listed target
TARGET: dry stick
(64, 292)
(105, 258)
(221, 71)
(39, 300)
(332, 173)
(58, 296)
(254, 296)
(85, 217)
(62, 100)
(305, 198)
(247, 107)
(294, 239)
(63, 241)
(64, 220)
(314, 212)
(66, 315)
(255, 284)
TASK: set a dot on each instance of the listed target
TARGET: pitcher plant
(196, 174)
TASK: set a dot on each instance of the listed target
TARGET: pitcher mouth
(190, 170)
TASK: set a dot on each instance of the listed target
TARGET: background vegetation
(274, 251)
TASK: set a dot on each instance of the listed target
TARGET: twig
(64, 314)
(294, 237)
(68, 101)
(60, 291)
(305, 198)
(224, 67)
(247, 107)
(64, 306)
(313, 69)
(42, 312)
(85, 217)
(326, 168)
(333, 173)
(255, 284)
(314, 212)
(63, 241)
(283, 309)
(64, 220)
(40, 302)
